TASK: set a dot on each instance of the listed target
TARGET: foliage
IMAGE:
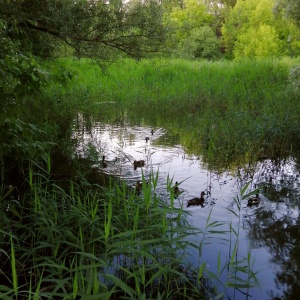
(252, 30)
(239, 110)
(93, 242)
(85, 28)
(288, 9)
(184, 25)
(201, 43)
(257, 42)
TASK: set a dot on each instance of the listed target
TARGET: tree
(89, 28)
(257, 42)
(186, 25)
(43, 28)
(201, 43)
(288, 9)
(251, 29)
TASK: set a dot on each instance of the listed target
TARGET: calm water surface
(266, 231)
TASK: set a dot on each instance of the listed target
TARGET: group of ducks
(199, 201)
(136, 163)
(192, 202)
(140, 163)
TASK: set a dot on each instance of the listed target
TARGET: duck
(138, 164)
(138, 187)
(104, 164)
(254, 200)
(176, 188)
(152, 131)
(147, 139)
(197, 201)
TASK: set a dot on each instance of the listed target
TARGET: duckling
(197, 201)
(176, 188)
(104, 164)
(138, 164)
(254, 200)
(138, 187)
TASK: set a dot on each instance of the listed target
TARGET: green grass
(57, 240)
(233, 110)
(91, 242)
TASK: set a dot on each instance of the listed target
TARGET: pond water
(269, 231)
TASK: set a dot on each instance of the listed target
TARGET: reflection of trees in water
(281, 236)
(279, 179)
(277, 224)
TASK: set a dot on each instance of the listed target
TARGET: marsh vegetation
(71, 229)
(106, 106)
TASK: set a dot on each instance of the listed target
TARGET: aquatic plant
(237, 110)
(91, 241)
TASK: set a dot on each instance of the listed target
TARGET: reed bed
(236, 110)
(91, 242)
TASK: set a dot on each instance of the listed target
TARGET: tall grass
(92, 243)
(89, 242)
(235, 110)
(95, 243)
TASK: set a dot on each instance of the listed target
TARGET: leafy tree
(186, 26)
(234, 25)
(257, 42)
(251, 29)
(288, 9)
(42, 28)
(89, 28)
(201, 43)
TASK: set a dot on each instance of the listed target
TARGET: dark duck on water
(138, 164)
(197, 201)
(254, 200)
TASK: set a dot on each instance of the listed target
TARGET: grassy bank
(234, 109)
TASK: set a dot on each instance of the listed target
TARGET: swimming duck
(138, 187)
(197, 201)
(254, 200)
(176, 188)
(138, 164)
(104, 164)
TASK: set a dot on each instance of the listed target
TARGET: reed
(62, 242)
(239, 110)
(92, 242)
(59, 241)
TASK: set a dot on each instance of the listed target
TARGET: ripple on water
(122, 144)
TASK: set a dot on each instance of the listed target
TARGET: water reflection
(270, 231)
